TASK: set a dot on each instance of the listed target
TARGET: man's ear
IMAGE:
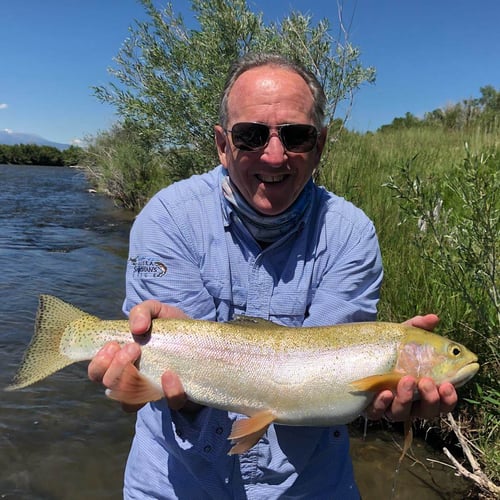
(321, 141)
(221, 144)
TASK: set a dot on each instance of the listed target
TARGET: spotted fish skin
(293, 376)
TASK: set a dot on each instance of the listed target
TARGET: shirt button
(336, 434)
(219, 430)
(207, 448)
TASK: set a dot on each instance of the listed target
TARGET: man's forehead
(268, 76)
(271, 83)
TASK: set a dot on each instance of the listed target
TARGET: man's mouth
(270, 179)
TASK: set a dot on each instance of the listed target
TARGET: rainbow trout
(293, 376)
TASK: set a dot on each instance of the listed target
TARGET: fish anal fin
(245, 443)
(246, 432)
(134, 388)
(376, 383)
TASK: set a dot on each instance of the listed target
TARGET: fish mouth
(465, 374)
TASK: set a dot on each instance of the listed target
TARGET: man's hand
(433, 400)
(108, 364)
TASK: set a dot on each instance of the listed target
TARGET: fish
(299, 376)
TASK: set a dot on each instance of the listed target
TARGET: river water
(62, 438)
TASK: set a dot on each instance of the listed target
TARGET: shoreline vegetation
(34, 154)
(433, 192)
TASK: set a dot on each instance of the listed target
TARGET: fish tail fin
(42, 357)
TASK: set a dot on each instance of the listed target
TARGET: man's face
(270, 179)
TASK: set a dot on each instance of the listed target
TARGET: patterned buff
(267, 228)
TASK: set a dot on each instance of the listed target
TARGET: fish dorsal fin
(246, 432)
(252, 321)
(133, 388)
(377, 383)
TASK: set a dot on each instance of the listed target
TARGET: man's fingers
(141, 315)
(426, 322)
(401, 407)
(379, 406)
(101, 361)
(433, 400)
(449, 397)
(173, 390)
(128, 354)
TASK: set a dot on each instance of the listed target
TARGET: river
(62, 438)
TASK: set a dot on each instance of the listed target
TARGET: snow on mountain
(10, 138)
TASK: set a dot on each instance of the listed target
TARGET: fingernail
(109, 349)
(131, 349)
(426, 386)
(409, 385)
(447, 391)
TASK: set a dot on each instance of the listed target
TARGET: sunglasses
(296, 138)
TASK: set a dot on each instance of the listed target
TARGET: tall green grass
(432, 194)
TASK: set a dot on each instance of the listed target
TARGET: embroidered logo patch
(147, 267)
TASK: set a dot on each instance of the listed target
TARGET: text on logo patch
(147, 267)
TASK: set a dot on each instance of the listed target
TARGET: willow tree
(168, 77)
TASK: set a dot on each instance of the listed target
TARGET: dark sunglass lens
(299, 138)
(250, 136)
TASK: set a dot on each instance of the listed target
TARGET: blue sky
(427, 53)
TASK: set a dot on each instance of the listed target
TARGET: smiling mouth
(270, 179)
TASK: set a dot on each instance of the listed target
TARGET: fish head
(425, 354)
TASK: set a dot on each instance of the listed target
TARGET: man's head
(268, 163)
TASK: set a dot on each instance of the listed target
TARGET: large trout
(271, 373)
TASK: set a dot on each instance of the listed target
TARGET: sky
(427, 53)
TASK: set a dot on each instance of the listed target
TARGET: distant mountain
(10, 138)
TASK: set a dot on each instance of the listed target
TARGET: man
(254, 236)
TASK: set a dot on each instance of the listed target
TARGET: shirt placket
(260, 289)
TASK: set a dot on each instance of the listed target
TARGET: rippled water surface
(61, 438)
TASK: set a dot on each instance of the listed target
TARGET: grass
(432, 196)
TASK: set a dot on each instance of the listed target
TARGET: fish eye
(455, 350)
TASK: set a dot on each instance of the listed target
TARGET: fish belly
(301, 387)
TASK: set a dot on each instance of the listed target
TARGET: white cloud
(3, 106)
(8, 130)
(77, 142)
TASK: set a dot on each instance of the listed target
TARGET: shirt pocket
(229, 301)
(291, 307)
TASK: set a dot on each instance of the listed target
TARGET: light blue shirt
(188, 249)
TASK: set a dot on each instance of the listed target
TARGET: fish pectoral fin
(132, 387)
(376, 383)
(246, 432)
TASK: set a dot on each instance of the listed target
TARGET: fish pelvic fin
(133, 388)
(408, 433)
(377, 383)
(42, 357)
(246, 433)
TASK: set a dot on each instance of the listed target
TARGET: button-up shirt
(188, 248)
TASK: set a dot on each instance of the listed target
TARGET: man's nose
(274, 152)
